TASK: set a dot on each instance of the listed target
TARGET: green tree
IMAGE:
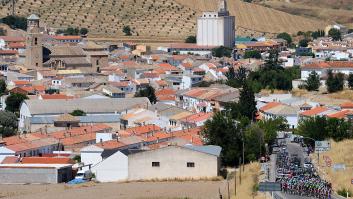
(190, 39)
(303, 43)
(148, 92)
(271, 127)
(8, 123)
(313, 82)
(2, 87)
(83, 31)
(247, 103)
(254, 142)
(350, 80)
(222, 52)
(236, 78)
(221, 130)
(252, 54)
(14, 101)
(334, 82)
(335, 34)
(127, 30)
(78, 112)
(285, 36)
(15, 22)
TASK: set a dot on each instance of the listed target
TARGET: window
(190, 164)
(97, 62)
(155, 164)
(35, 41)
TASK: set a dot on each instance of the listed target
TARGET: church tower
(34, 50)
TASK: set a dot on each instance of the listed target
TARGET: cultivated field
(340, 11)
(151, 18)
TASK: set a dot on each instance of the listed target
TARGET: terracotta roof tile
(314, 111)
(46, 160)
(269, 106)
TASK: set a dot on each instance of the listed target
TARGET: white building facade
(216, 28)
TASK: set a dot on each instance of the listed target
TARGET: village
(75, 109)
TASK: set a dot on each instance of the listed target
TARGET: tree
(8, 123)
(2, 87)
(335, 34)
(317, 34)
(236, 78)
(222, 52)
(190, 39)
(148, 92)
(221, 130)
(313, 82)
(303, 43)
(285, 36)
(350, 80)
(247, 103)
(254, 142)
(2, 32)
(14, 101)
(78, 112)
(83, 31)
(271, 127)
(334, 82)
(15, 22)
(252, 54)
(127, 30)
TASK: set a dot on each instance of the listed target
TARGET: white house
(112, 169)
(195, 162)
(321, 68)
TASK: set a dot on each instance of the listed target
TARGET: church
(216, 28)
(86, 56)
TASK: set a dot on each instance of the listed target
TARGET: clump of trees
(148, 92)
(15, 22)
(252, 54)
(350, 80)
(222, 52)
(335, 34)
(286, 37)
(190, 39)
(73, 31)
(334, 82)
(321, 128)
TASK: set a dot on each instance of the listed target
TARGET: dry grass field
(340, 11)
(153, 18)
(327, 99)
(340, 152)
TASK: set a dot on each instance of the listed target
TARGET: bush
(252, 54)
(343, 192)
(190, 39)
(78, 112)
(15, 22)
(222, 52)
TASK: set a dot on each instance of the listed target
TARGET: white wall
(173, 164)
(91, 155)
(114, 168)
(5, 152)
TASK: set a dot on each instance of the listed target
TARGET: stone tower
(34, 49)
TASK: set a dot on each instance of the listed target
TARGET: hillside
(155, 18)
(340, 11)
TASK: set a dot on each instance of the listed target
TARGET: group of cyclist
(298, 180)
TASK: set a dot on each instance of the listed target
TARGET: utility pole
(13, 7)
(240, 170)
(235, 181)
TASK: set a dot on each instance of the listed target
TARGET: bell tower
(34, 50)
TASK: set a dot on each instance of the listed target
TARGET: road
(293, 149)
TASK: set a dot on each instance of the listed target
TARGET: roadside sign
(338, 167)
(269, 186)
(322, 146)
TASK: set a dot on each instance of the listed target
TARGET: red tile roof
(8, 52)
(165, 98)
(347, 105)
(166, 91)
(21, 82)
(340, 114)
(13, 39)
(330, 64)
(111, 144)
(55, 96)
(314, 111)
(143, 129)
(198, 117)
(46, 160)
(269, 106)
(168, 67)
(10, 160)
(191, 46)
(17, 45)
